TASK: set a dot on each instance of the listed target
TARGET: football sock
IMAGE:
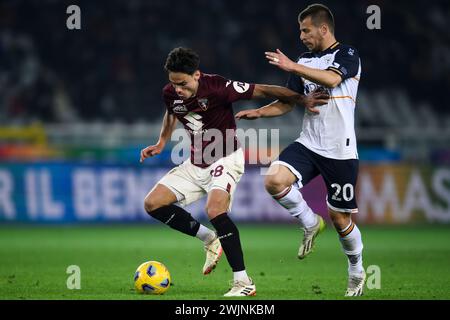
(241, 276)
(205, 234)
(229, 239)
(291, 199)
(352, 245)
(177, 218)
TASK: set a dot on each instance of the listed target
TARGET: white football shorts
(190, 183)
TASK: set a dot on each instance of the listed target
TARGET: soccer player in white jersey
(327, 143)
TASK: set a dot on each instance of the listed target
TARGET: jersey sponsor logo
(351, 51)
(240, 87)
(195, 122)
(180, 109)
(203, 103)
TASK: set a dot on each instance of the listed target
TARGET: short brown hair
(319, 14)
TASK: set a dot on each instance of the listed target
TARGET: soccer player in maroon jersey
(203, 103)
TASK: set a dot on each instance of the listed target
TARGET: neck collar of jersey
(334, 45)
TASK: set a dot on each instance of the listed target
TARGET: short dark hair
(182, 60)
(319, 13)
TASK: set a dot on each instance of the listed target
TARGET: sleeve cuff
(335, 70)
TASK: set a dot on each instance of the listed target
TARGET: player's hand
(280, 60)
(151, 151)
(314, 99)
(250, 114)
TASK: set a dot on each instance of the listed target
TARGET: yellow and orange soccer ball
(152, 277)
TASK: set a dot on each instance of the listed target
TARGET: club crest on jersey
(203, 103)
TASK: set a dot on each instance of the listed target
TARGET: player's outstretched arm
(168, 125)
(289, 96)
(274, 109)
(278, 108)
(326, 78)
(277, 92)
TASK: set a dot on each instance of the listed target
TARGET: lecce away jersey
(331, 133)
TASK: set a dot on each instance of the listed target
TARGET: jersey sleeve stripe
(342, 97)
(335, 70)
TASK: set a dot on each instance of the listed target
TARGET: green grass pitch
(414, 262)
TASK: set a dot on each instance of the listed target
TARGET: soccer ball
(152, 277)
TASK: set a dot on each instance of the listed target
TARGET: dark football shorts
(339, 175)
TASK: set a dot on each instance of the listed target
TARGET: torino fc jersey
(210, 108)
(331, 133)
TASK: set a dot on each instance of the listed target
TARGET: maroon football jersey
(210, 109)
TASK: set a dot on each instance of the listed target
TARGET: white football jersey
(331, 133)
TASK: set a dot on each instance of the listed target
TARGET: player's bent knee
(278, 178)
(215, 208)
(218, 203)
(340, 219)
(151, 204)
(275, 184)
(158, 197)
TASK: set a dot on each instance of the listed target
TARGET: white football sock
(291, 199)
(241, 276)
(205, 234)
(352, 245)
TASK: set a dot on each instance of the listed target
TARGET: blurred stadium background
(76, 106)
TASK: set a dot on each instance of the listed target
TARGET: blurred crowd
(112, 69)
